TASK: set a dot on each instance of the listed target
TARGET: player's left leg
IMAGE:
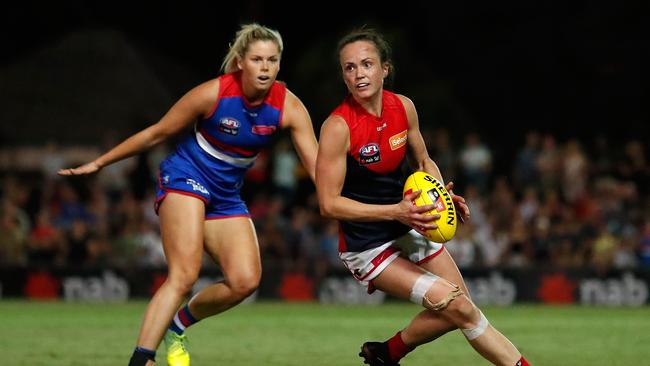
(233, 243)
(428, 325)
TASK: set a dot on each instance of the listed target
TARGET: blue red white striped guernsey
(226, 142)
(237, 128)
(376, 168)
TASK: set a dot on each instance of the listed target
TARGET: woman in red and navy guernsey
(360, 173)
(198, 200)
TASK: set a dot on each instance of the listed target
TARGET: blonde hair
(248, 34)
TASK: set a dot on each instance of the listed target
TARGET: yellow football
(434, 193)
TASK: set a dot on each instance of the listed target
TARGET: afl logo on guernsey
(369, 154)
(229, 125)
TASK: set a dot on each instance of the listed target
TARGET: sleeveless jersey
(225, 143)
(376, 169)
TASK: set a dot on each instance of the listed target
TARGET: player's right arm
(330, 176)
(195, 103)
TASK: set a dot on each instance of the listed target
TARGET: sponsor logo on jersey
(263, 130)
(196, 186)
(229, 125)
(369, 154)
(384, 125)
(397, 141)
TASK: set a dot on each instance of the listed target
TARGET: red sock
(522, 362)
(397, 348)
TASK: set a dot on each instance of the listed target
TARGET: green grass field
(36, 333)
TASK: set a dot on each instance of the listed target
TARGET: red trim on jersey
(185, 193)
(343, 247)
(224, 147)
(226, 217)
(430, 257)
(230, 86)
(156, 205)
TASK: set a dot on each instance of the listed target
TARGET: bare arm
(297, 118)
(330, 176)
(186, 110)
(420, 154)
(416, 143)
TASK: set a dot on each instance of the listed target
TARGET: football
(434, 193)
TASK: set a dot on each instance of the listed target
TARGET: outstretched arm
(186, 110)
(297, 119)
(330, 176)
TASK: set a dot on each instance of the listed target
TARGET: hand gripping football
(434, 193)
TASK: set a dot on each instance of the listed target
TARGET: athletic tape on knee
(475, 332)
(421, 286)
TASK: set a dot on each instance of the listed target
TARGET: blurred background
(537, 111)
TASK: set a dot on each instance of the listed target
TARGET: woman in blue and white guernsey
(198, 200)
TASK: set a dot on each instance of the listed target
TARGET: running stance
(360, 173)
(198, 198)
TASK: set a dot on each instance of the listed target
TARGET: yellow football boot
(177, 353)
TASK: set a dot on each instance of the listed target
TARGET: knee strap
(442, 304)
(475, 332)
(423, 284)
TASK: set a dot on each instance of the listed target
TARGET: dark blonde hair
(248, 34)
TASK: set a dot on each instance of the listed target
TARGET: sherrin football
(434, 193)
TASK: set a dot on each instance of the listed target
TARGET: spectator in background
(52, 162)
(46, 243)
(476, 162)
(604, 246)
(529, 204)
(525, 170)
(13, 235)
(284, 168)
(602, 157)
(575, 172)
(463, 247)
(77, 238)
(442, 151)
(548, 164)
(634, 167)
(199, 202)
(644, 244)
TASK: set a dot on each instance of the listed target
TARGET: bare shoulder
(294, 110)
(335, 125)
(407, 102)
(292, 101)
(204, 96)
(210, 87)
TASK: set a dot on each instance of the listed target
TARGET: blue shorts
(221, 198)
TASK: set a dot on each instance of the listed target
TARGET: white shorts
(367, 265)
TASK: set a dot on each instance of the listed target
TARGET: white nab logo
(196, 185)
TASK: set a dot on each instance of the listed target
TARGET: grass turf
(269, 333)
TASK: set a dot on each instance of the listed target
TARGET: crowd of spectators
(567, 204)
